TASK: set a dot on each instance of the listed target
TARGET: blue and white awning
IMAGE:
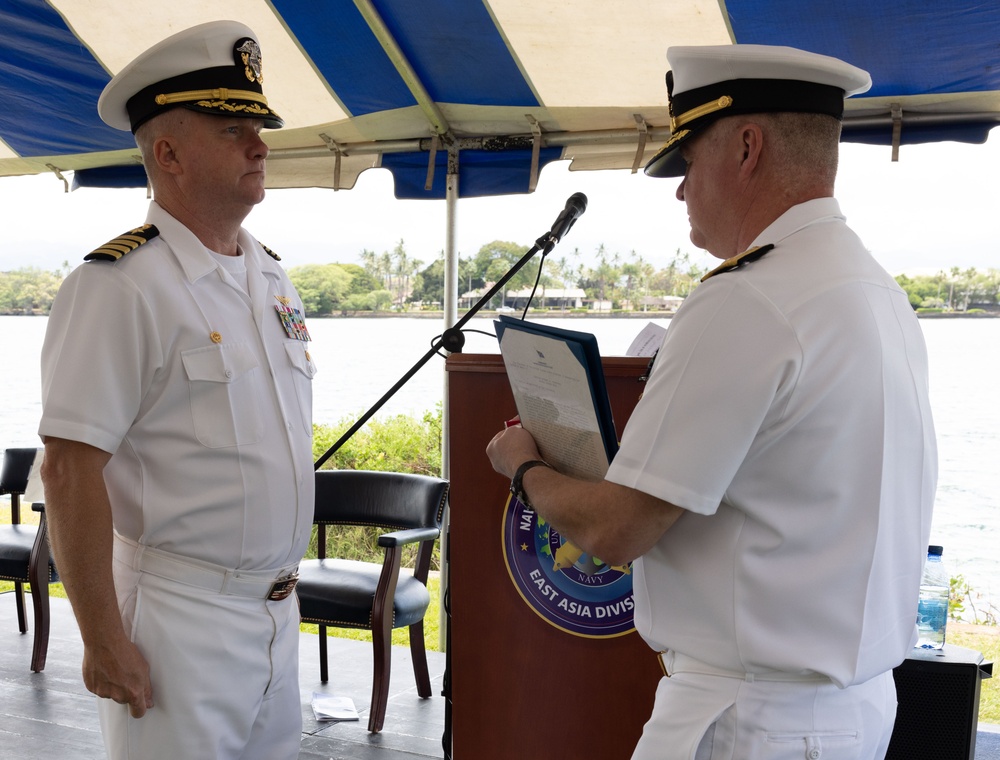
(501, 87)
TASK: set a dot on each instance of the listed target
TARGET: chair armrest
(410, 536)
(39, 506)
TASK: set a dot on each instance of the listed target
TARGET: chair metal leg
(323, 670)
(418, 653)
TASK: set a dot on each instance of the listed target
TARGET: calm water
(360, 359)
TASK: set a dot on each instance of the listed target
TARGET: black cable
(538, 278)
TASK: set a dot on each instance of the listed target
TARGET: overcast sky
(934, 209)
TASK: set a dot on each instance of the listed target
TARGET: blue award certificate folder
(558, 384)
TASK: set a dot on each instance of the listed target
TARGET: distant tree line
(30, 290)
(955, 290)
(397, 281)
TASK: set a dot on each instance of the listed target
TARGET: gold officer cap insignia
(249, 52)
(115, 249)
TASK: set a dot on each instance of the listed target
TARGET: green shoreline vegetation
(396, 282)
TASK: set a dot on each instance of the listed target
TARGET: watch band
(516, 487)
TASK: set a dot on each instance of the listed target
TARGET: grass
(400, 636)
(354, 543)
(986, 640)
(345, 542)
(981, 638)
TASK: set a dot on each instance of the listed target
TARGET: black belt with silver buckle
(282, 588)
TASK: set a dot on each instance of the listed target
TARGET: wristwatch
(516, 487)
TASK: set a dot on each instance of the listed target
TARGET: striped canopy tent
(473, 97)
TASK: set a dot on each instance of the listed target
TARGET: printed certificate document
(562, 400)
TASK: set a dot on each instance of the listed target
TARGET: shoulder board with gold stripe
(734, 263)
(115, 249)
(269, 252)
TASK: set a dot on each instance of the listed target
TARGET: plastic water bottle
(932, 611)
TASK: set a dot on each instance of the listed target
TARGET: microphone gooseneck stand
(452, 340)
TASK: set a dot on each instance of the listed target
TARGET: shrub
(394, 444)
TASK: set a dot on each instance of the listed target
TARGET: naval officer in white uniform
(775, 483)
(177, 425)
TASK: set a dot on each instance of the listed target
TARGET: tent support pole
(450, 304)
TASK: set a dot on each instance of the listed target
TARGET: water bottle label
(932, 617)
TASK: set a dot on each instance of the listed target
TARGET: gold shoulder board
(736, 262)
(115, 249)
(269, 252)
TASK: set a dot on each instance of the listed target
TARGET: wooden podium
(521, 687)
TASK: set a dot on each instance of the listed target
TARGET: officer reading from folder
(775, 482)
(177, 425)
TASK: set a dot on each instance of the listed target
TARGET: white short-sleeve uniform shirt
(788, 412)
(198, 392)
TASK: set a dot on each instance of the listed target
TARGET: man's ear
(752, 146)
(165, 154)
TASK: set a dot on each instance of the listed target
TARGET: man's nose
(259, 148)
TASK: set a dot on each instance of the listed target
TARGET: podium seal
(568, 589)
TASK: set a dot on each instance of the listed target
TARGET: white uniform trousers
(700, 714)
(223, 669)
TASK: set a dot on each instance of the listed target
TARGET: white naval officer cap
(706, 83)
(213, 68)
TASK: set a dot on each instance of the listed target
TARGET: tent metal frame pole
(450, 304)
(403, 67)
(625, 138)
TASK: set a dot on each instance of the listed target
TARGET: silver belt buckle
(282, 588)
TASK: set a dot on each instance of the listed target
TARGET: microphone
(575, 207)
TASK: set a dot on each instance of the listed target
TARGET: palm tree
(385, 269)
(400, 263)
